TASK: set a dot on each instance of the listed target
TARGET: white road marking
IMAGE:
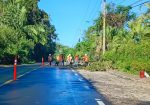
(73, 70)
(97, 99)
(80, 79)
(76, 74)
(24, 74)
(87, 87)
(9, 81)
(99, 102)
(47, 64)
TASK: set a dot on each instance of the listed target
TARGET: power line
(135, 2)
(93, 10)
(87, 9)
(88, 13)
(112, 1)
(82, 20)
(121, 2)
(97, 8)
(141, 4)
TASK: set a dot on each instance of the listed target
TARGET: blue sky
(72, 17)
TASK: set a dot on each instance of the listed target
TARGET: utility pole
(104, 26)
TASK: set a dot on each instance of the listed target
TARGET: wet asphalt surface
(6, 73)
(51, 86)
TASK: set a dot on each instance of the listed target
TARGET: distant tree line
(25, 32)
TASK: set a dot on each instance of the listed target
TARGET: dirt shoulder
(120, 88)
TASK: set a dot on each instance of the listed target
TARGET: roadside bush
(140, 65)
(130, 58)
(99, 66)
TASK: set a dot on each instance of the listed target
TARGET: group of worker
(60, 60)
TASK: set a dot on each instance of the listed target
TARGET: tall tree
(23, 26)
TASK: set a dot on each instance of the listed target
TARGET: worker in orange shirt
(86, 59)
(76, 60)
(57, 60)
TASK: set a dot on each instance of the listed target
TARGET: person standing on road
(60, 59)
(57, 60)
(69, 59)
(63, 59)
(86, 59)
(50, 59)
(76, 60)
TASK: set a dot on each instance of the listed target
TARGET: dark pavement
(6, 73)
(50, 86)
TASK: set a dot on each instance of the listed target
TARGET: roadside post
(42, 61)
(15, 68)
(142, 74)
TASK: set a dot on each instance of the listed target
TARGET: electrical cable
(141, 4)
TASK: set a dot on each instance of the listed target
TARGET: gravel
(120, 88)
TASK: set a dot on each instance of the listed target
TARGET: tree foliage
(127, 40)
(23, 29)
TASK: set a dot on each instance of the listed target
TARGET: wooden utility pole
(104, 26)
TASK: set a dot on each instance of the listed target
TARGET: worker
(57, 60)
(50, 59)
(63, 59)
(86, 59)
(69, 59)
(76, 60)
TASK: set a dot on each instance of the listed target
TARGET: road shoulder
(120, 88)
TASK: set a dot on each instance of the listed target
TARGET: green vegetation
(65, 50)
(127, 41)
(25, 31)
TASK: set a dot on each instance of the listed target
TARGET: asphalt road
(51, 86)
(6, 73)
